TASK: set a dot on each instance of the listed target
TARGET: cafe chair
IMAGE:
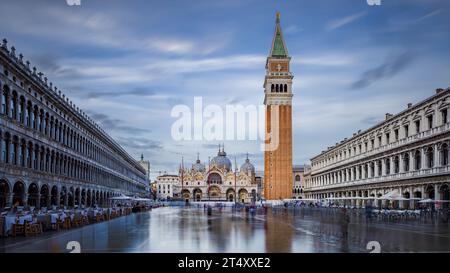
(18, 229)
(84, 220)
(36, 228)
(77, 220)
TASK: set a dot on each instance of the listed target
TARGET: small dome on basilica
(247, 166)
(221, 160)
(198, 166)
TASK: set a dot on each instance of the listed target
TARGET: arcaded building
(407, 153)
(52, 153)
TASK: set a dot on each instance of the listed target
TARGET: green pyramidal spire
(278, 47)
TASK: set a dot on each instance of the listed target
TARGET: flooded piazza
(187, 229)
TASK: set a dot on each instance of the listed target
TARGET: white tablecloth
(9, 222)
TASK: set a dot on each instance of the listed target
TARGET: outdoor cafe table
(10, 220)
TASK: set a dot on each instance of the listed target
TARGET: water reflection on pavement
(175, 229)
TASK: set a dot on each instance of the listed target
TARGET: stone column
(383, 203)
(411, 195)
(25, 198)
(401, 167)
(391, 165)
(437, 196)
(383, 167)
(411, 161)
(9, 199)
(436, 156)
(423, 159)
(49, 199)
(401, 203)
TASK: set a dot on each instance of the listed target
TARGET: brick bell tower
(278, 100)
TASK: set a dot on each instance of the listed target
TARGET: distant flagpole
(207, 181)
(182, 176)
(235, 174)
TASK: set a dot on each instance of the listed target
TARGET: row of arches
(431, 191)
(415, 160)
(279, 88)
(55, 126)
(26, 153)
(47, 195)
(215, 193)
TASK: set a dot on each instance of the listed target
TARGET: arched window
(4, 100)
(430, 158)
(4, 145)
(388, 166)
(444, 154)
(272, 88)
(285, 88)
(297, 178)
(417, 160)
(406, 162)
(277, 88)
(12, 106)
(22, 110)
(396, 164)
(13, 150)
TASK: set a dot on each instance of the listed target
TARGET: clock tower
(278, 100)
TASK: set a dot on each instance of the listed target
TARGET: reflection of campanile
(278, 100)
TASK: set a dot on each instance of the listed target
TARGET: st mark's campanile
(278, 100)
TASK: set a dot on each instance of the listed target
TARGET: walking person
(344, 222)
(368, 209)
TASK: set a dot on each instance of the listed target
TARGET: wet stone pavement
(177, 229)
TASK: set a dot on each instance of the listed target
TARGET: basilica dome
(198, 166)
(221, 161)
(247, 166)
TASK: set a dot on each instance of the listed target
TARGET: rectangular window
(444, 116)
(387, 138)
(396, 134)
(417, 123)
(430, 121)
(406, 128)
(372, 143)
(379, 141)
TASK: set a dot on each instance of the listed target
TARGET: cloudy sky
(128, 63)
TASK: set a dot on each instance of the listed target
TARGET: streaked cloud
(429, 15)
(388, 69)
(338, 23)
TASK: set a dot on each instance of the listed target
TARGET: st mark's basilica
(217, 181)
